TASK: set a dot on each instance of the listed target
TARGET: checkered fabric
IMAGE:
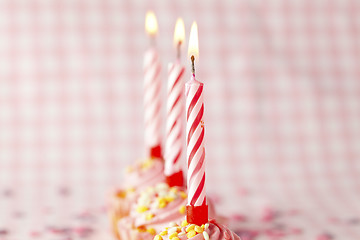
(282, 112)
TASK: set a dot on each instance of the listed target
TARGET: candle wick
(178, 50)
(152, 41)
(193, 65)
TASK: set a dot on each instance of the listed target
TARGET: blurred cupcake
(137, 178)
(209, 231)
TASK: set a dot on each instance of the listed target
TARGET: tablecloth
(282, 96)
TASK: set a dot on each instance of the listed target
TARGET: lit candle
(196, 209)
(152, 91)
(175, 110)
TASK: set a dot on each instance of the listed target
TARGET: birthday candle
(175, 110)
(152, 91)
(197, 209)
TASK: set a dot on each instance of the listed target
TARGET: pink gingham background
(282, 112)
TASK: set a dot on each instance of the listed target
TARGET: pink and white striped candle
(195, 142)
(152, 93)
(196, 209)
(175, 109)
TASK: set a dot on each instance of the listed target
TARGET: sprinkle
(206, 235)
(198, 229)
(158, 237)
(172, 230)
(206, 226)
(169, 199)
(141, 209)
(162, 203)
(191, 234)
(151, 231)
(163, 233)
(191, 227)
(174, 190)
(121, 194)
(162, 193)
(147, 163)
(184, 223)
(182, 210)
(149, 216)
(172, 224)
(183, 195)
(181, 234)
(175, 238)
(174, 234)
(162, 186)
(141, 229)
(129, 169)
(173, 195)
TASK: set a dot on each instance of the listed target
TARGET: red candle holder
(197, 214)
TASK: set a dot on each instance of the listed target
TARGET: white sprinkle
(173, 195)
(172, 230)
(181, 233)
(172, 224)
(162, 194)
(144, 201)
(150, 190)
(206, 235)
(162, 186)
(206, 226)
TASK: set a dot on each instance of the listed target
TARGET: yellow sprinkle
(149, 216)
(162, 203)
(203, 226)
(151, 231)
(141, 229)
(130, 190)
(147, 163)
(174, 190)
(206, 235)
(198, 229)
(129, 169)
(191, 234)
(182, 210)
(184, 223)
(121, 194)
(163, 233)
(175, 238)
(174, 234)
(141, 209)
(158, 237)
(183, 195)
(169, 199)
(191, 227)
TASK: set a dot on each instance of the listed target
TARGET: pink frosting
(162, 217)
(127, 227)
(138, 179)
(216, 231)
(142, 178)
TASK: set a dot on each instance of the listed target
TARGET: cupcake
(137, 178)
(211, 230)
(154, 209)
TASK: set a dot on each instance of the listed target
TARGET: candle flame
(193, 49)
(179, 33)
(151, 25)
